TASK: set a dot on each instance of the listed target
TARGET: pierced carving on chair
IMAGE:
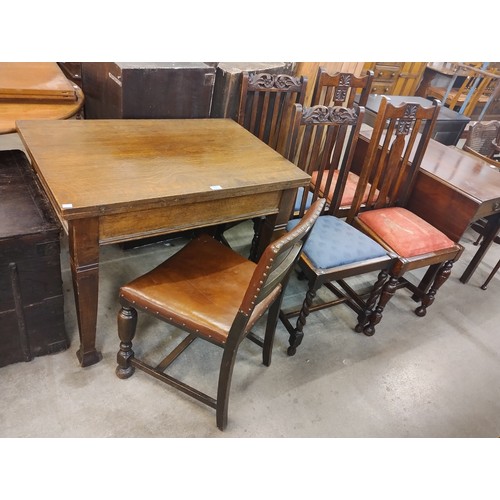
(324, 114)
(269, 81)
(341, 89)
(405, 124)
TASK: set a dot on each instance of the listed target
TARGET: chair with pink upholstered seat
(397, 145)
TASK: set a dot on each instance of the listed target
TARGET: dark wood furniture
(240, 292)
(111, 181)
(340, 89)
(31, 297)
(393, 157)
(36, 91)
(322, 142)
(449, 124)
(147, 90)
(453, 182)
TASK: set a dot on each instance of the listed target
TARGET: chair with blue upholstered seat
(322, 142)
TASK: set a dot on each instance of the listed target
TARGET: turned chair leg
(388, 290)
(363, 318)
(441, 277)
(127, 322)
(272, 322)
(297, 335)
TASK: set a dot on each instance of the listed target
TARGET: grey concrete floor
(432, 377)
(437, 376)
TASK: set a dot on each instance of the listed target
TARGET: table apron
(137, 224)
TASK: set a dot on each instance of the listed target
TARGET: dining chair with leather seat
(322, 142)
(216, 295)
(341, 89)
(397, 145)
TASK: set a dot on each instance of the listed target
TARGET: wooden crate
(31, 297)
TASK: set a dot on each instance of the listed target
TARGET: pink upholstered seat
(404, 232)
(349, 190)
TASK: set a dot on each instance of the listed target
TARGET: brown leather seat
(214, 294)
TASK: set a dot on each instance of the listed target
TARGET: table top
(465, 172)
(471, 175)
(17, 109)
(34, 81)
(373, 104)
(94, 167)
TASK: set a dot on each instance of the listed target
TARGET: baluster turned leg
(297, 335)
(372, 299)
(127, 322)
(388, 290)
(428, 299)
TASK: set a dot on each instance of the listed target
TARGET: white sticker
(67, 205)
(215, 188)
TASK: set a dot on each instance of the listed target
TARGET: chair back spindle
(265, 103)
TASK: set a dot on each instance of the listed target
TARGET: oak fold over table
(112, 181)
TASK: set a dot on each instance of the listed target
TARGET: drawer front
(385, 72)
(382, 88)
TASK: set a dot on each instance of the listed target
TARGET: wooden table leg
(273, 226)
(490, 231)
(83, 241)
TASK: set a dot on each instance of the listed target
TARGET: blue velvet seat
(334, 252)
(322, 142)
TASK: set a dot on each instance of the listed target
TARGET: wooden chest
(147, 90)
(31, 298)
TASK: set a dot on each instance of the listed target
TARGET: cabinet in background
(395, 78)
(147, 90)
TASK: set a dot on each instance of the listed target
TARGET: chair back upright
(340, 89)
(397, 145)
(271, 274)
(321, 142)
(265, 103)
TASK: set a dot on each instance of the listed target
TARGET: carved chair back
(322, 142)
(398, 142)
(265, 104)
(340, 89)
